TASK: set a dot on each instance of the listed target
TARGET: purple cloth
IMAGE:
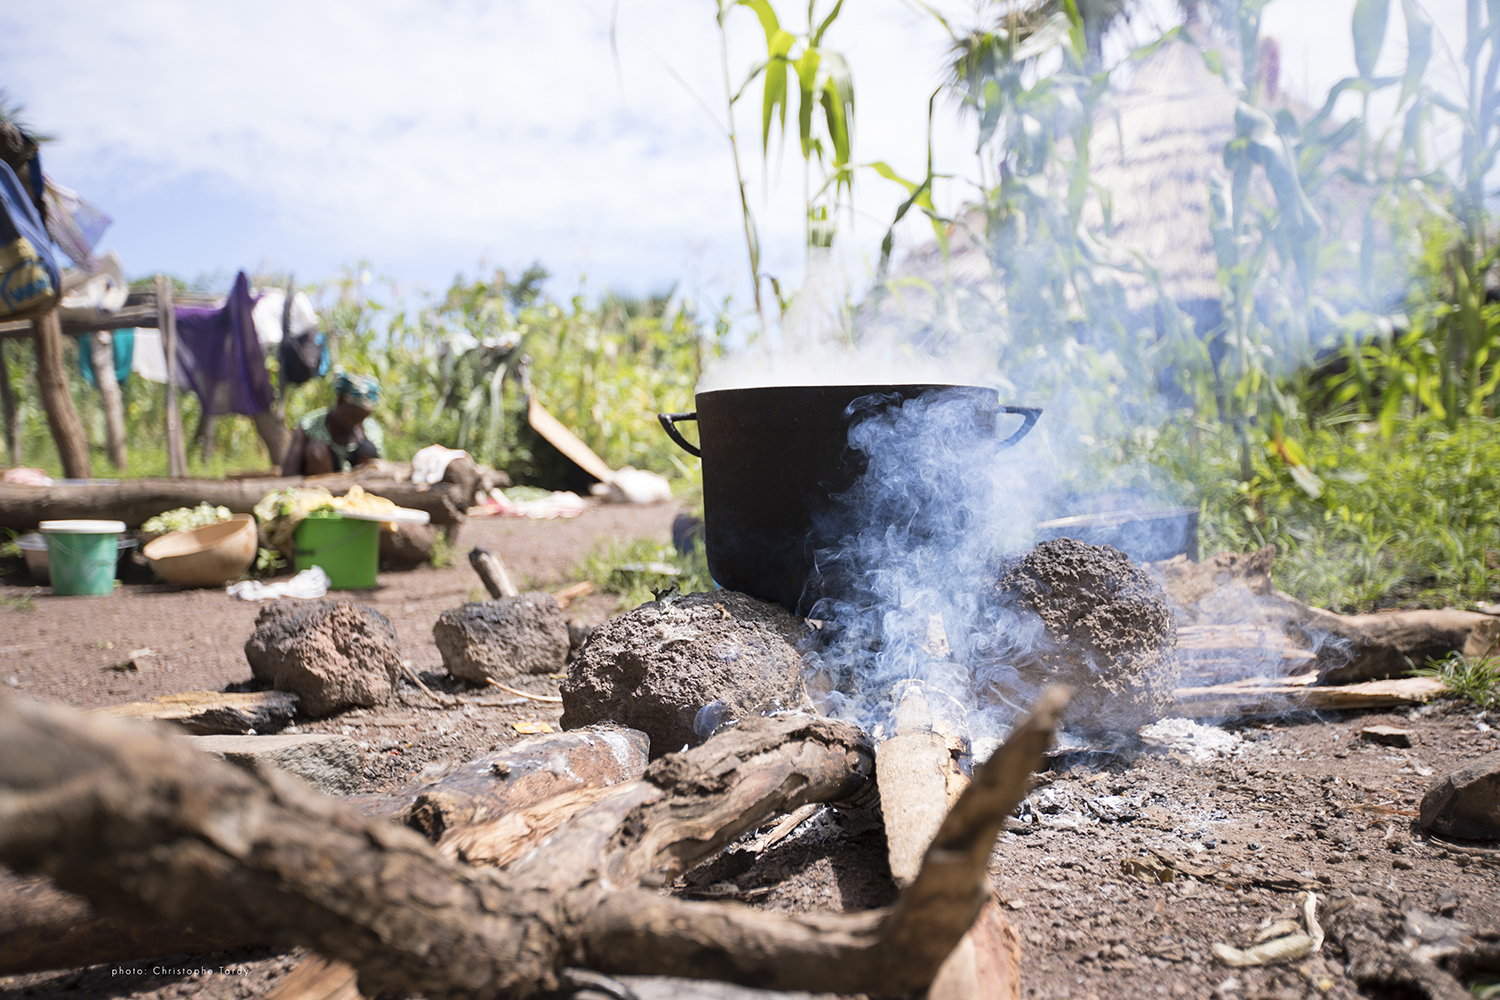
(220, 357)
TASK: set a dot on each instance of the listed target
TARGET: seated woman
(340, 436)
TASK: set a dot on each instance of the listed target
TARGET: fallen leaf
(531, 727)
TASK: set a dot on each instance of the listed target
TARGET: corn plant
(824, 95)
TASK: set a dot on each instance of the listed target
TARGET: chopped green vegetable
(187, 518)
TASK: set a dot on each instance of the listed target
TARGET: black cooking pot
(772, 459)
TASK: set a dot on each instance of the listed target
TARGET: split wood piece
(102, 358)
(568, 595)
(318, 978)
(42, 927)
(986, 964)
(1249, 699)
(525, 774)
(145, 827)
(1232, 652)
(912, 770)
(212, 713)
(919, 781)
(22, 508)
(52, 387)
(492, 571)
(498, 842)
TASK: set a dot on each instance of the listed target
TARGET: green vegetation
(1475, 679)
(640, 570)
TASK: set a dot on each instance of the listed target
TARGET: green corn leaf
(775, 97)
(817, 38)
(767, 15)
(807, 78)
(838, 105)
(1369, 23)
(1418, 47)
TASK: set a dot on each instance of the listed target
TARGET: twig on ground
(524, 694)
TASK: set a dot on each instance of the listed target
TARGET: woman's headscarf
(361, 389)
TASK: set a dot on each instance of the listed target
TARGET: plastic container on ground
(348, 549)
(206, 556)
(82, 556)
(33, 548)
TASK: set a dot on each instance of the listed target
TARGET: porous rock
(503, 639)
(1466, 803)
(1085, 616)
(722, 654)
(331, 654)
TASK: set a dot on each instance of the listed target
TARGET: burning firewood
(146, 828)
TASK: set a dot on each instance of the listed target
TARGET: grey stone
(503, 639)
(332, 763)
(331, 654)
(678, 668)
(1465, 804)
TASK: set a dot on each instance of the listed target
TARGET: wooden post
(52, 386)
(12, 415)
(102, 355)
(166, 320)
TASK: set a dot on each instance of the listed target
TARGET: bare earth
(1305, 799)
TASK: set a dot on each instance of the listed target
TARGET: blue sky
(439, 137)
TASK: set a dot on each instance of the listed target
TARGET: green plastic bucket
(348, 550)
(83, 555)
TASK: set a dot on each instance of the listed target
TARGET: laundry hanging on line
(123, 344)
(219, 355)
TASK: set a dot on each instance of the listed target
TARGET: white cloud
(425, 136)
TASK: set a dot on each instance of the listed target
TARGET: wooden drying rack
(153, 310)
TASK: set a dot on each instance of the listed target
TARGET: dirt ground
(1247, 814)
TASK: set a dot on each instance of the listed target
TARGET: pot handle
(1029, 415)
(669, 424)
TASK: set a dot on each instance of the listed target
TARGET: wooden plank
(565, 441)
(167, 321)
(318, 978)
(209, 713)
(1250, 698)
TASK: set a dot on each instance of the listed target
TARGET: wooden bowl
(205, 557)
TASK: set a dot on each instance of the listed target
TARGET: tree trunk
(102, 357)
(52, 386)
(1377, 646)
(148, 829)
(136, 501)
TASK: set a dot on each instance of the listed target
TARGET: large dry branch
(22, 508)
(145, 828)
